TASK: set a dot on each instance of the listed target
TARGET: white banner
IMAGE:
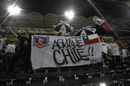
(60, 51)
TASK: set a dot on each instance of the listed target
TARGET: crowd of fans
(15, 57)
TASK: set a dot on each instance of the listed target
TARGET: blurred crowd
(15, 56)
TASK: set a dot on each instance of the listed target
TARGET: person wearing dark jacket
(21, 61)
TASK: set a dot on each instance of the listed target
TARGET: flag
(103, 23)
(106, 25)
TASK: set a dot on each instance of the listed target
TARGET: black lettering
(75, 54)
(60, 43)
(54, 46)
(73, 44)
(67, 53)
(55, 52)
(67, 43)
(82, 54)
(70, 51)
(78, 43)
(90, 51)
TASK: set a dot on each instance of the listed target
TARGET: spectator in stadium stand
(115, 51)
(84, 29)
(28, 64)
(8, 54)
(2, 44)
(124, 53)
(22, 54)
(10, 48)
(63, 28)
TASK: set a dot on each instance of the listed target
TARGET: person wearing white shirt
(10, 48)
(115, 51)
(124, 53)
(105, 47)
(2, 42)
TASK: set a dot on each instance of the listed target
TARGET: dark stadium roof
(82, 7)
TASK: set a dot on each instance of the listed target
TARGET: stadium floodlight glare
(14, 10)
(102, 84)
(69, 14)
